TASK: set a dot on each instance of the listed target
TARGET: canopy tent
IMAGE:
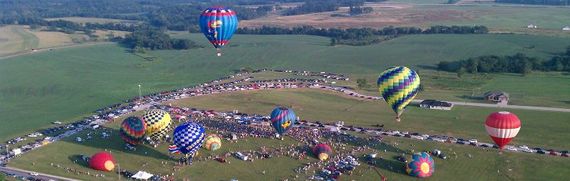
(142, 175)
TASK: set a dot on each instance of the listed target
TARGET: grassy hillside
(61, 85)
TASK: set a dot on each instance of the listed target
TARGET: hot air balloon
(323, 151)
(398, 86)
(103, 161)
(282, 119)
(218, 25)
(213, 142)
(156, 120)
(421, 165)
(160, 135)
(132, 130)
(188, 138)
(502, 127)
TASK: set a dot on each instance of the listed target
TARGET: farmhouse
(499, 97)
(566, 28)
(435, 104)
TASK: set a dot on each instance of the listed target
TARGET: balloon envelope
(218, 25)
(421, 165)
(188, 138)
(156, 120)
(398, 86)
(213, 142)
(160, 135)
(502, 127)
(282, 119)
(323, 151)
(132, 130)
(103, 161)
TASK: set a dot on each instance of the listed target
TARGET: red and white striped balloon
(502, 127)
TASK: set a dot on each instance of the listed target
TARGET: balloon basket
(219, 54)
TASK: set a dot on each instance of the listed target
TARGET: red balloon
(322, 151)
(102, 161)
(502, 127)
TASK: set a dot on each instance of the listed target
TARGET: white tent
(142, 175)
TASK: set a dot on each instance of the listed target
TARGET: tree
(333, 41)
(460, 72)
(139, 49)
(362, 83)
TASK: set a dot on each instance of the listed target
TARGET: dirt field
(15, 39)
(103, 33)
(52, 39)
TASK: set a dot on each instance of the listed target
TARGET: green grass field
(487, 164)
(507, 17)
(63, 84)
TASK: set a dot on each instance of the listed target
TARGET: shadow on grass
(390, 165)
(77, 159)
(113, 143)
(380, 165)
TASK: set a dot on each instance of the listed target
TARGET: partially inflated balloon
(102, 161)
(132, 130)
(213, 142)
(282, 119)
(218, 25)
(398, 86)
(502, 127)
(323, 151)
(421, 165)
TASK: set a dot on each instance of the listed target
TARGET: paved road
(25, 173)
(535, 108)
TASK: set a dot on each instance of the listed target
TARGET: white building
(566, 28)
(532, 26)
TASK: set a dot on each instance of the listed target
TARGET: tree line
(316, 6)
(541, 2)
(363, 36)
(154, 39)
(518, 63)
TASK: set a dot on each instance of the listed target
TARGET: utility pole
(140, 94)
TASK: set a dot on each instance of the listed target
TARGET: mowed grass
(62, 85)
(539, 128)
(14, 39)
(472, 163)
(507, 17)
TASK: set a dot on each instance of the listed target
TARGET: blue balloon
(218, 25)
(188, 138)
(282, 119)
